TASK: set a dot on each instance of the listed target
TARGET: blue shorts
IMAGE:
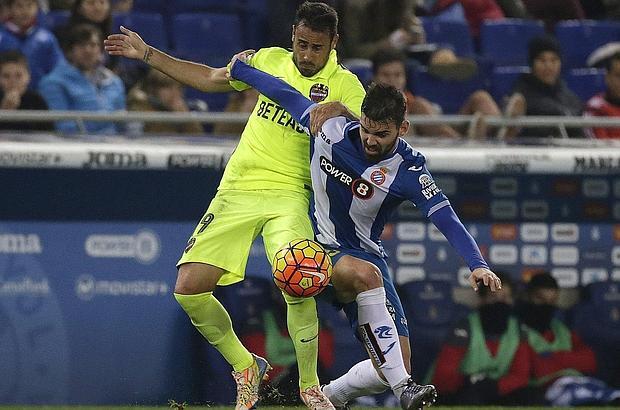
(350, 309)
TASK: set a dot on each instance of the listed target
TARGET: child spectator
(14, 92)
(82, 83)
(159, 92)
(37, 43)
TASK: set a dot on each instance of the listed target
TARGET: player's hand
(323, 112)
(243, 56)
(129, 44)
(485, 276)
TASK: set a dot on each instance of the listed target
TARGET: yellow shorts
(224, 235)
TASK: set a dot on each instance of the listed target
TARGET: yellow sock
(213, 322)
(303, 327)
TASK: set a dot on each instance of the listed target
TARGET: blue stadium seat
(216, 37)
(597, 320)
(578, 38)
(361, 68)
(188, 6)
(585, 82)
(505, 41)
(55, 19)
(503, 80)
(431, 313)
(149, 25)
(157, 6)
(450, 95)
(454, 34)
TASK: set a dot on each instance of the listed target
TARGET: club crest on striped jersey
(319, 92)
(378, 176)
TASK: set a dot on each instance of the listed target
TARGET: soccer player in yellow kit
(265, 190)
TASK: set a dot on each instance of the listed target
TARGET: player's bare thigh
(194, 278)
(352, 275)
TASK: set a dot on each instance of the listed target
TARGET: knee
(367, 278)
(482, 97)
(194, 278)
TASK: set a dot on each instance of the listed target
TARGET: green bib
(562, 342)
(280, 349)
(478, 359)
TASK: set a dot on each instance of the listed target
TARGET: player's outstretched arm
(273, 88)
(446, 220)
(129, 44)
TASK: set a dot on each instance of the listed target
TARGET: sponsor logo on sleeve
(565, 255)
(591, 275)
(410, 231)
(566, 277)
(565, 232)
(429, 188)
(144, 246)
(410, 253)
(534, 232)
(503, 254)
(534, 255)
(595, 188)
(504, 186)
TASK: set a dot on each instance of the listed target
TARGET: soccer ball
(302, 268)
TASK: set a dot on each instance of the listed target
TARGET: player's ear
(335, 41)
(404, 127)
(293, 33)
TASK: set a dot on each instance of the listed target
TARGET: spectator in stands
(388, 67)
(95, 12)
(122, 6)
(82, 83)
(36, 42)
(243, 101)
(486, 360)
(5, 12)
(159, 92)
(543, 91)
(552, 11)
(558, 352)
(513, 8)
(476, 12)
(14, 92)
(607, 104)
(374, 25)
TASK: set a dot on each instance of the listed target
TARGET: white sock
(380, 336)
(361, 380)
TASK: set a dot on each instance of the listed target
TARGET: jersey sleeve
(256, 61)
(422, 189)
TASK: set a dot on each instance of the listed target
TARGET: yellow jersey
(274, 151)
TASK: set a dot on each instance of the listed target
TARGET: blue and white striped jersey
(353, 197)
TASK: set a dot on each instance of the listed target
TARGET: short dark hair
(609, 61)
(538, 45)
(384, 103)
(13, 56)
(317, 16)
(79, 34)
(386, 56)
(542, 280)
